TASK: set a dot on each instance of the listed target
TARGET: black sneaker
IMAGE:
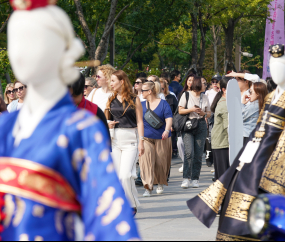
(139, 183)
(214, 179)
(174, 155)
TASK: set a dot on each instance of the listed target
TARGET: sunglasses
(86, 86)
(137, 83)
(216, 82)
(98, 77)
(10, 92)
(250, 92)
(19, 89)
(145, 90)
(204, 83)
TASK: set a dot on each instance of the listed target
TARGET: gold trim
(274, 125)
(276, 121)
(239, 206)
(276, 116)
(272, 187)
(268, 99)
(281, 102)
(214, 195)
(27, 164)
(227, 237)
(32, 196)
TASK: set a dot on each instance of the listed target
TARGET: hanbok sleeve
(106, 213)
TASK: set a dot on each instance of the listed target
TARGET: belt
(36, 182)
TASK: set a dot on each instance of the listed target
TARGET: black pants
(174, 142)
(221, 161)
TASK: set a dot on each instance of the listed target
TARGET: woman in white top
(101, 95)
(20, 90)
(197, 107)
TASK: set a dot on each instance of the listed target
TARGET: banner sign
(274, 32)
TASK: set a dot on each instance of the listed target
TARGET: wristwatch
(142, 138)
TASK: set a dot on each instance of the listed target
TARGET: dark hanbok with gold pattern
(243, 182)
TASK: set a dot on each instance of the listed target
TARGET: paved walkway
(167, 217)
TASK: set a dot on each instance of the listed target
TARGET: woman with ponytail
(220, 139)
(155, 162)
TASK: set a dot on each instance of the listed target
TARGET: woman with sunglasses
(20, 90)
(100, 95)
(138, 87)
(90, 84)
(215, 88)
(9, 95)
(156, 160)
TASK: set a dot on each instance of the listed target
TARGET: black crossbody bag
(152, 118)
(193, 123)
(182, 122)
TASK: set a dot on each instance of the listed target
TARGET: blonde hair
(166, 89)
(156, 78)
(6, 99)
(154, 87)
(108, 71)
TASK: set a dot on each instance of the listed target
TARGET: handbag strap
(123, 113)
(201, 100)
(93, 94)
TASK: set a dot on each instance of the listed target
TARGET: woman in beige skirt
(155, 162)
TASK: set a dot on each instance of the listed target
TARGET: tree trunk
(86, 30)
(216, 37)
(203, 30)
(5, 23)
(229, 40)
(194, 40)
(161, 62)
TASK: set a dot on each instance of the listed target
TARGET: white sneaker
(159, 189)
(181, 169)
(147, 193)
(212, 171)
(185, 183)
(195, 184)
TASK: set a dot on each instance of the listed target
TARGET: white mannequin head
(277, 70)
(42, 46)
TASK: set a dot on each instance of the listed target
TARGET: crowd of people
(139, 118)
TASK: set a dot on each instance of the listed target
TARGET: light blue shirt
(250, 113)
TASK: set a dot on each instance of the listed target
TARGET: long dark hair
(261, 90)
(223, 84)
(185, 88)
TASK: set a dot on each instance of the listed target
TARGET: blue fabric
(250, 113)
(170, 89)
(177, 88)
(90, 177)
(163, 111)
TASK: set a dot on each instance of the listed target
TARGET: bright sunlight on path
(167, 217)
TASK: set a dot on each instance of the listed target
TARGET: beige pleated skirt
(156, 161)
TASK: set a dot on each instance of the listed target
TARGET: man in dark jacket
(176, 77)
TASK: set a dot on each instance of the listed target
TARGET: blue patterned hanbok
(63, 170)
